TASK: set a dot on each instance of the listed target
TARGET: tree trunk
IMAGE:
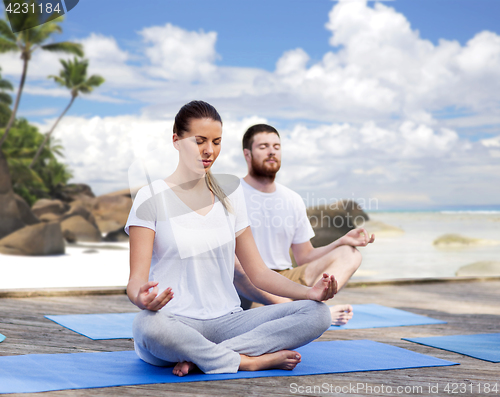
(48, 134)
(18, 99)
(10, 217)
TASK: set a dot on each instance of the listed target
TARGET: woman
(184, 232)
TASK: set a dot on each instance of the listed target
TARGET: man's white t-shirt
(193, 254)
(278, 220)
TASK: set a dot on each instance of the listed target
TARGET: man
(279, 222)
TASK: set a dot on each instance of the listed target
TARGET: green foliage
(47, 177)
(5, 101)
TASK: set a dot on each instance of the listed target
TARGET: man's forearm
(245, 288)
(318, 252)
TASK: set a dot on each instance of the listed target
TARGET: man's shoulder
(287, 192)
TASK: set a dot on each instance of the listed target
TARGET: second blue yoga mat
(98, 326)
(46, 372)
(482, 346)
(377, 316)
(119, 325)
(2, 338)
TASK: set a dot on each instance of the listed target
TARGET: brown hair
(254, 130)
(201, 110)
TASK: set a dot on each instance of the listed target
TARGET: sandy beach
(407, 254)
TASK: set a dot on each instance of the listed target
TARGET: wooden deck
(468, 307)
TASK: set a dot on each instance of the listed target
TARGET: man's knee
(350, 255)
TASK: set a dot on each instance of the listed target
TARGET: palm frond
(6, 32)
(7, 45)
(41, 33)
(95, 80)
(6, 85)
(58, 80)
(5, 98)
(65, 46)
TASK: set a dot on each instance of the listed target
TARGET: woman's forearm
(260, 275)
(133, 287)
(276, 284)
(245, 288)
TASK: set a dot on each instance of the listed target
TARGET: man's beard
(265, 170)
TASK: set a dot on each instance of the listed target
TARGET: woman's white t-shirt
(193, 254)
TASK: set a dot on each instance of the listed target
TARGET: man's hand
(357, 238)
(150, 300)
(324, 289)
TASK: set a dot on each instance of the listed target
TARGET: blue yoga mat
(2, 338)
(377, 316)
(119, 325)
(47, 372)
(482, 346)
(98, 326)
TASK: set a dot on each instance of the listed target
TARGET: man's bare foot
(183, 368)
(283, 359)
(341, 314)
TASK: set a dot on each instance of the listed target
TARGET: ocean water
(412, 254)
(409, 255)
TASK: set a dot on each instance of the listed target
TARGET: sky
(395, 104)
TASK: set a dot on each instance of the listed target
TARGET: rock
(40, 239)
(69, 236)
(74, 191)
(78, 208)
(123, 192)
(111, 211)
(44, 206)
(330, 222)
(479, 269)
(11, 218)
(27, 216)
(381, 229)
(50, 217)
(107, 226)
(80, 229)
(457, 241)
(117, 235)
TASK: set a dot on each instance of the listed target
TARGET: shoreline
(120, 290)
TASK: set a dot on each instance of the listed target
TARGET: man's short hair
(256, 129)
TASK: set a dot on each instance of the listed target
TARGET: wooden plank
(32, 293)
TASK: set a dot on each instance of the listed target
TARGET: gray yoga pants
(214, 345)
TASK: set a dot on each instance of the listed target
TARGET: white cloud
(104, 151)
(492, 142)
(177, 54)
(329, 161)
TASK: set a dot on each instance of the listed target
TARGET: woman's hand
(324, 289)
(150, 300)
(357, 238)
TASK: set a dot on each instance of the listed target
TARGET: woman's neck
(187, 180)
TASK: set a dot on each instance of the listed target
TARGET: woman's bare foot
(283, 359)
(341, 314)
(183, 368)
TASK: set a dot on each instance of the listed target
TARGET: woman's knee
(148, 326)
(320, 318)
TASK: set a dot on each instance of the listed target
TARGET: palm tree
(27, 41)
(5, 100)
(73, 76)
